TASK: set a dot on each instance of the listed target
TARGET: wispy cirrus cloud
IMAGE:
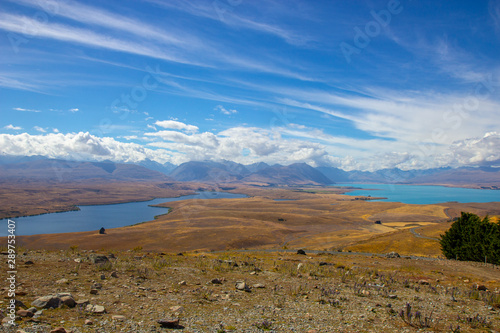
(29, 26)
(26, 110)
(494, 10)
(90, 15)
(233, 15)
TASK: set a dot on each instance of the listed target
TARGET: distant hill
(486, 176)
(225, 172)
(207, 171)
(38, 167)
(294, 174)
(165, 168)
(60, 170)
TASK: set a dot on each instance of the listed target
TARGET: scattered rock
(98, 258)
(177, 309)
(258, 286)
(481, 287)
(68, 301)
(168, 323)
(241, 285)
(24, 313)
(118, 317)
(102, 231)
(300, 251)
(59, 330)
(216, 281)
(393, 296)
(82, 302)
(89, 322)
(392, 255)
(182, 283)
(299, 266)
(62, 281)
(98, 309)
(103, 277)
(47, 302)
(29, 262)
(20, 304)
(424, 282)
(114, 274)
(93, 291)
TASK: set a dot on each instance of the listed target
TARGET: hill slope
(60, 170)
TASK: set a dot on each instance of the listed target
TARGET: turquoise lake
(90, 218)
(423, 194)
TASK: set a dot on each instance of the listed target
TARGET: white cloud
(74, 110)
(78, 146)
(55, 130)
(258, 144)
(473, 151)
(224, 110)
(26, 110)
(12, 127)
(176, 125)
(261, 145)
(40, 129)
(129, 137)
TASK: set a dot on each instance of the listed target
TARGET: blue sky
(357, 85)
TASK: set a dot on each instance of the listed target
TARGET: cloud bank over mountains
(182, 142)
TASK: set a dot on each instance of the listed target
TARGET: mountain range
(230, 172)
(66, 171)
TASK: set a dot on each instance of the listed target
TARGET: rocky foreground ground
(132, 291)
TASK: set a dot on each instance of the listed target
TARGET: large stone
(98, 258)
(301, 252)
(68, 301)
(47, 302)
(98, 309)
(24, 313)
(168, 323)
(59, 330)
(392, 255)
(241, 285)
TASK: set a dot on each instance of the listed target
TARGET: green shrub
(472, 239)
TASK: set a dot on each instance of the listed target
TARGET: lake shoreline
(418, 194)
(108, 216)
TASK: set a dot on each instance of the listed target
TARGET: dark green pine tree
(472, 239)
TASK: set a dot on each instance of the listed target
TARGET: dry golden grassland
(312, 218)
